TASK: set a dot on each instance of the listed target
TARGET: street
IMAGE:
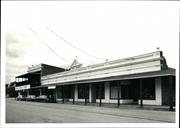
(35, 112)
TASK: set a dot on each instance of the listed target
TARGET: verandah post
(141, 93)
(118, 86)
(85, 94)
(171, 93)
(100, 94)
(63, 93)
(73, 86)
(55, 97)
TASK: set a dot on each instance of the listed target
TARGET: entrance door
(135, 90)
(52, 95)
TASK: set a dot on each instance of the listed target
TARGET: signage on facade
(22, 87)
(52, 87)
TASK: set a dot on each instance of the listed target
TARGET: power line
(46, 44)
(74, 45)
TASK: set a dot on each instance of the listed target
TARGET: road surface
(34, 112)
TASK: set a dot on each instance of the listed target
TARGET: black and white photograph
(90, 64)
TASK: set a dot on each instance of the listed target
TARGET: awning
(167, 72)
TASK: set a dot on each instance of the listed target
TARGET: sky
(44, 32)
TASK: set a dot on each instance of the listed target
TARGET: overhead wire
(82, 51)
(62, 58)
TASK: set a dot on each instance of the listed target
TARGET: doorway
(52, 95)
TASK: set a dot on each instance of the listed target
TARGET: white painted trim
(76, 93)
(22, 87)
(107, 90)
(147, 63)
(122, 101)
(51, 87)
(90, 92)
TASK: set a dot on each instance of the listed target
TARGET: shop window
(59, 92)
(127, 89)
(102, 91)
(149, 89)
(83, 91)
(68, 91)
(126, 92)
(113, 90)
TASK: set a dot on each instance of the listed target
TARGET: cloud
(17, 47)
(104, 31)
(12, 54)
(14, 69)
(12, 51)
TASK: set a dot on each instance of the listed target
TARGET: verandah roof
(167, 72)
(146, 65)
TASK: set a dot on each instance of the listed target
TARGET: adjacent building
(30, 82)
(143, 79)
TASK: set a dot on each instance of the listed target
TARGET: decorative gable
(75, 64)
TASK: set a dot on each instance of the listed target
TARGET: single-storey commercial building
(143, 79)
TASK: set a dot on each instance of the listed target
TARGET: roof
(39, 67)
(36, 69)
(142, 66)
(27, 75)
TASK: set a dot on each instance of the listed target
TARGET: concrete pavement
(34, 112)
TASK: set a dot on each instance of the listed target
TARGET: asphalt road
(34, 112)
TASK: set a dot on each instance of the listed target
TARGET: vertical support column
(100, 94)
(73, 86)
(55, 97)
(158, 91)
(141, 93)
(171, 93)
(41, 72)
(76, 92)
(63, 94)
(85, 94)
(107, 92)
(118, 86)
(90, 92)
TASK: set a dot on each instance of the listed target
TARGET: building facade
(30, 82)
(143, 79)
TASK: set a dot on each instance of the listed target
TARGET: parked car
(30, 98)
(21, 97)
(42, 98)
